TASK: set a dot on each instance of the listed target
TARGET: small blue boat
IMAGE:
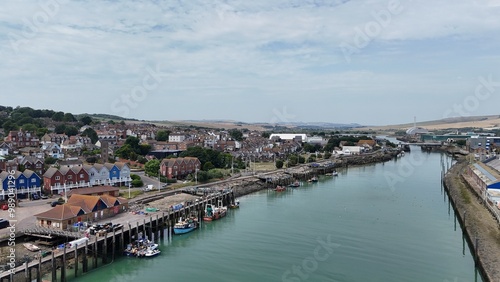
(185, 226)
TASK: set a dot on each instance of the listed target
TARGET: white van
(149, 188)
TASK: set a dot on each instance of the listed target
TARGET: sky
(365, 61)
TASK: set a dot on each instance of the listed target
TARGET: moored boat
(314, 179)
(236, 205)
(141, 247)
(151, 252)
(295, 184)
(31, 247)
(213, 212)
(185, 226)
(280, 188)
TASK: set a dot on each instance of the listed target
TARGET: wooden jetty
(101, 250)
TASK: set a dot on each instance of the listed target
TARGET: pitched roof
(87, 202)
(50, 172)
(92, 190)
(62, 212)
(109, 166)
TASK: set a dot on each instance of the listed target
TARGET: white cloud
(274, 51)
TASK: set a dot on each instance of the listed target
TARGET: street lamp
(159, 180)
(196, 175)
(129, 185)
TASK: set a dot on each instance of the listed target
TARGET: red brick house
(69, 176)
(179, 167)
(82, 177)
(21, 139)
(53, 179)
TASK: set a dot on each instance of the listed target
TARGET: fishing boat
(31, 247)
(236, 205)
(140, 248)
(151, 252)
(295, 184)
(314, 179)
(280, 188)
(213, 212)
(185, 226)
(335, 173)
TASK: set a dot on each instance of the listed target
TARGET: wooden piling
(85, 257)
(27, 274)
(113, 244)
(39, 269)
(94, 254)
(53, 262)
(63, 265)
(105, 250)
(76, 261)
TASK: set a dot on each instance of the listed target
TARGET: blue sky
(368, 62)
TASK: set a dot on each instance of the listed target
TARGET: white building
(289, 136)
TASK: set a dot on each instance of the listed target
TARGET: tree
(29, 127)
(68, 117)
(71, 131)
(162, 135)
(142, 160)
(208, 166)
(293, 160)
(202, 176)
(41, 131)
(58, 116)
(152, 167)
(60, 128)
(92, 134)
(50, 160)
(265, 134)
(236, 134)
(327, 155)
(9, 126)
(279, 164)
(86, 120)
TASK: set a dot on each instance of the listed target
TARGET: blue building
(24, 183)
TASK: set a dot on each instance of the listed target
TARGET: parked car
(4, 223)
(35, 197)
(56, 203)
(44, 197)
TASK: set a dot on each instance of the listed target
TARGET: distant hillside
(482, 122)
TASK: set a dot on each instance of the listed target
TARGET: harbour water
(383, 222)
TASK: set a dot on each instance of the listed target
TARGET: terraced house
(179, 167)
(59, 181)
(25, 183)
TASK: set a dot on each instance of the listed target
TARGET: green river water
(382, 222)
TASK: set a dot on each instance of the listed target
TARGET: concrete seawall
(479, 226)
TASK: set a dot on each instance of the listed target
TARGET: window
(49, 222)
(33, 180)
(21, 180)
(70, 176)
(58, 177)
(81, 175)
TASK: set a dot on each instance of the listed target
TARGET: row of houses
(58, 180)
(179, 167)
(24, 183)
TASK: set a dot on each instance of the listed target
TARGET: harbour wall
(480, 228)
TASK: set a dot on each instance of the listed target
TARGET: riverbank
(477, 222)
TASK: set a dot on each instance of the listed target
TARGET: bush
(279, 164)
(137, 183)
(215, 173)
(135, 177)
